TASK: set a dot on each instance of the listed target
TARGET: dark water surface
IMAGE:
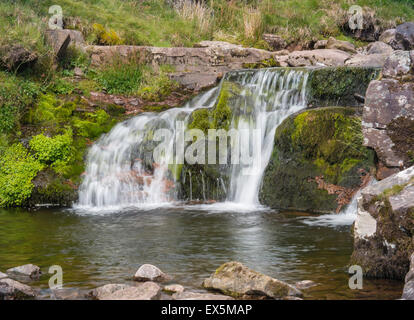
(189, 244)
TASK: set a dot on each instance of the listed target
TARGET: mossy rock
(337, 86)
(316, 145)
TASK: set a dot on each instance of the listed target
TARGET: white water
(118, 175)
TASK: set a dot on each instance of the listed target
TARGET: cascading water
(120, 173)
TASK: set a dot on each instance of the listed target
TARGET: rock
(59, 40)
(321, 57)
(305, 284)
(398, 64)
(13, 290)
(187, 295)
(148, 272)
(371, 26)
(282, 53)
(16, 57)
(67, 294)
(379, 47)
(28, 270)
(384, 227)
(404, 35)
(340, 45)
(299, 175)
(388, 37)
(3, 275)
(235, 279)
(321, 44)
(78, 72)
(274, 41)
(143, 291)
(408, 292)
(372, 60)
(196, 68)
(291, 298)
(388, 120)
(174, 288)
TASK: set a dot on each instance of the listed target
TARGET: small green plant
(94, 124)
(157, 87)
(17, 170)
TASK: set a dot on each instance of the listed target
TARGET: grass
(184, 23)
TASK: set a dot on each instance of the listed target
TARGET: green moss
(17, 169)
(338, 85)
(268, 63)
(157, 87)
(50, 110)
(93, 124)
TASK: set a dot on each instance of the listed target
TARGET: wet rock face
(384, 228)
(408, 293)
(388, 122)
(318, 161)
(235, 279)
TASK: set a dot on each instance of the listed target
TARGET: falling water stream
(120, 170)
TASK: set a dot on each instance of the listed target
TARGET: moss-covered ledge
(318, 161)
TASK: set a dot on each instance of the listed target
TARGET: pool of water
(187, 242)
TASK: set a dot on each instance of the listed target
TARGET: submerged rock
(28, 270)
(148, 272)
(384, 227)
(305, 284)
(13, 290)
(318, 161)
(144, 291)
(187, 295)
(237, 280)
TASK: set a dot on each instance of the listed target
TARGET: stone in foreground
(237, 280)
(13, 290)
(174, 288)
(199, 296)
(144, 291)
(148, 272)
(28, 270)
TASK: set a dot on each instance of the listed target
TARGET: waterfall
(120, 173)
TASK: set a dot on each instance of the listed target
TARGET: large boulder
(16, 57)
(29, 271)
(388, 37)
(143, 291)
(60, 40)
(408, 293)
(237, 280)
(318, 161)
(388, 122)
(404, 35)
(148, 272)
(13, 290)
(319, 57)
(398, 64)
(384, 227)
